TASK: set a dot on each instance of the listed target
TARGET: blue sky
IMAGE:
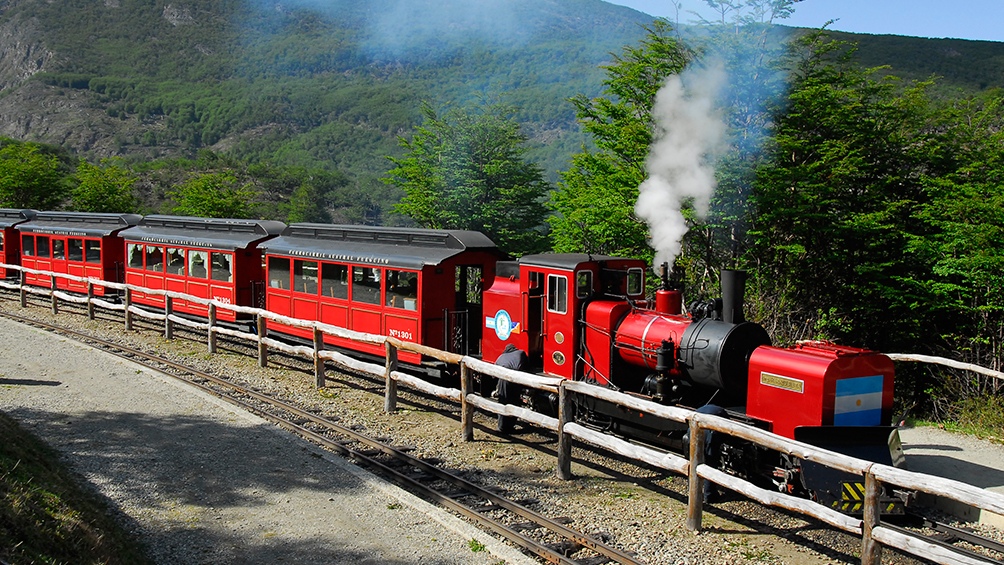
(964, 19)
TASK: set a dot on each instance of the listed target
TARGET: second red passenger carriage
(417, 285)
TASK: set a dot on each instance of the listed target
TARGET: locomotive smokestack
(733, 289)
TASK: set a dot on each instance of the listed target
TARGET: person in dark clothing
(508, 393)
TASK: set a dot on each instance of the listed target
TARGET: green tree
(104, 188)
(595, 200)
(213, 195)
(835, 206)
(31, 176)
(467, 170)
(965, 217)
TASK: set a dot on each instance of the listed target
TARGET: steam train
(576, 316)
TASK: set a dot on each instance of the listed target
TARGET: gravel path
(204, 483)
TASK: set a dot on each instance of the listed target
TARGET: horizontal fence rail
(874, 535)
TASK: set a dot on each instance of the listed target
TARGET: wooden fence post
(212, 324)
(90, 300)
(390, 396)
(55, 301)
(318, 360)
(128, 314)
(871, 550)
(695, 494)
(24, 292)
(168, 312)
(466, 408)
(565, 415)
(262, 348)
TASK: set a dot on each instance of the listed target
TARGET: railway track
(551, 539)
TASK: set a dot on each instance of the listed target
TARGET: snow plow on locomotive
(587, 318)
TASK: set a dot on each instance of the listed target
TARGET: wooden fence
(873, 534)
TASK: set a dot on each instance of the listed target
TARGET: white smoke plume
(688, 138)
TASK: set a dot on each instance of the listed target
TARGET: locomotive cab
(538, 304)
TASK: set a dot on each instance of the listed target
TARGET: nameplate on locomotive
(786, 383)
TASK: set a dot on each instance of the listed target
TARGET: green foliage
(964, 217)
(835, 205)
(594, 203)
(31, 176)
(213, 195)
(105, 188)
(466, 170)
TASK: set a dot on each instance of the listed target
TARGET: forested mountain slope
(333, 83)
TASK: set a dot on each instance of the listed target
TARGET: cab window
(635, 281)
(583, 284)
(557, 294)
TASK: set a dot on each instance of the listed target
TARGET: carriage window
(197, 267)
(557, 294)
(92, 251)
(635, 282)
(154, 258)
(305, 276)
(1, 240)
(402, 289)
(42, 246)
(175, 261)
(75, 249)
(583, 284)
(334, 280)
(278, 272)
(223, 267)
(58, 249)
(28, 245)
(135, 252)
(366, 285)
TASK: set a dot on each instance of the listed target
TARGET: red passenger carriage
(76, 243)
(10, 243)
(209, 258)
(418, 285)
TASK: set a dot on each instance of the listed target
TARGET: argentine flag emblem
(858, 402)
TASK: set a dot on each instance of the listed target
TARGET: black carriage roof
(12, 216)
(78, 223)
(411, 248)
(566, 261)
(213, 233)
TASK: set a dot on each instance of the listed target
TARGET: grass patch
(46, 516)
(981, 416)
